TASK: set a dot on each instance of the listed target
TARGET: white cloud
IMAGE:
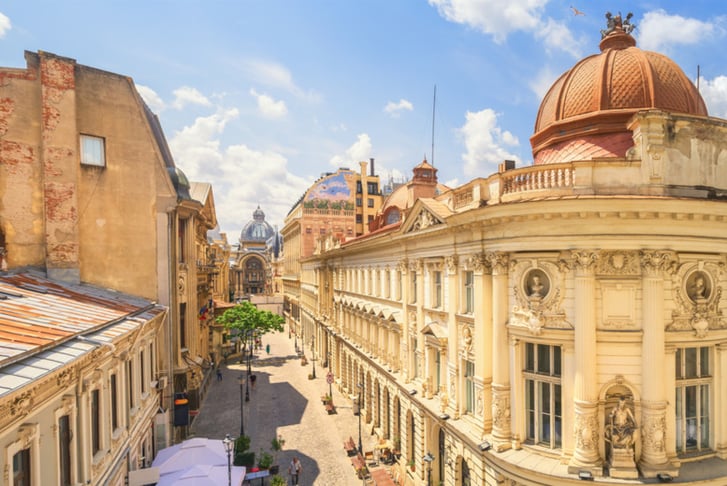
(151, 98)
(495, 17)
(241, 177)
(189, 96)
(658, 30)
(394, 109)
(5, 25)
(360, 150)
(272, 74)
(196, 148)
(543, 80)
(484, 142)
(557, 36)
(268, 107)
(714, 93)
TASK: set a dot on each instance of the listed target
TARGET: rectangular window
(130, 382)
(359, 202)
(359, 218)
(64, 450)
(372, 187)
(183, 325)
(182, 236)
(437, 297)
(370, 202)
(95, 422)
(469, 292)
(142, 372)
(543, 394)
(693, 391)
(21, 468)
(469, 374)
(92, 151)
(359, 187)
(114, 403)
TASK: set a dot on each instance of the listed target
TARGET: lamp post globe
(228, 442)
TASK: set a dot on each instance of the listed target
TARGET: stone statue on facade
(621, 435)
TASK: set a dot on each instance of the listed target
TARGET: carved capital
(655, 262)
(451, 262)
(498, 261)
(402, 265)
(584, 260)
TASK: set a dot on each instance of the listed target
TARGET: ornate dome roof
(258, 229)
(602, 92)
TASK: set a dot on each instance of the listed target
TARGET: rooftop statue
(617, 23)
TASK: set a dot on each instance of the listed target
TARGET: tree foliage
(248, 320)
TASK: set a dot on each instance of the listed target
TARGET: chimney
(60, 168)
(372, 166)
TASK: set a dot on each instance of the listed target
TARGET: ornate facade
(553, 322)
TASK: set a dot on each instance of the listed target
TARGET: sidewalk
(285, 402)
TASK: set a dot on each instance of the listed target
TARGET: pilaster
(501, 414)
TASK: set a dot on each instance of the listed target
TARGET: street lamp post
(242, 407)
(313, 354)
(227, 442)
(360, 445)
(428, 458)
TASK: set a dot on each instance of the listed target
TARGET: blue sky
(261, 97)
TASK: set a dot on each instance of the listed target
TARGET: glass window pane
(690, 362)
(92, 150)
(704, 362)
(678, 364)
(704, 401)
(543, 358)
(690, 401)
(544, 401)
(530, 357)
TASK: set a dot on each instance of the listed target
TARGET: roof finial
(617, 24)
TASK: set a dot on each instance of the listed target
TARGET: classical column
(585, 391)
(501, 434)
(653, 399)
(483, 344)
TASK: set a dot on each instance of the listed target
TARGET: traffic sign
(329, 378)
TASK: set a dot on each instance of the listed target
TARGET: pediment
(424, 214)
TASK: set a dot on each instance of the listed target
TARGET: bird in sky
(576, 11)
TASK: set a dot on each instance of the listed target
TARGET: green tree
(249, 321)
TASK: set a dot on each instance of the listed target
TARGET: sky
(262, 97)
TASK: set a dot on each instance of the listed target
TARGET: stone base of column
(654, 470)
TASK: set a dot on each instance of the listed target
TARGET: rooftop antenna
(697, 78)
(434, 106)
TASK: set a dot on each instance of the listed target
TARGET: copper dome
(593, 101)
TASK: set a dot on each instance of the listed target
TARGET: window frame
(700, 381)
(89, 159)
(542, 379)
(469, 292)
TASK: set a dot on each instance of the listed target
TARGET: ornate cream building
(556, 322)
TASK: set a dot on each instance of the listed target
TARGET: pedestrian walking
(219, 375)
(294, 470)
(267, 348)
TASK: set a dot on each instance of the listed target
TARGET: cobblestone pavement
(285, 402)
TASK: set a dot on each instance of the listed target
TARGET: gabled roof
(425, 212)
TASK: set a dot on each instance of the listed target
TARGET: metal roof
(45, 325)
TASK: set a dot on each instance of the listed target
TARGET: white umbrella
(203, 475)
(191, 452)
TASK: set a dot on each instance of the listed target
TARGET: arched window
(466, 480)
